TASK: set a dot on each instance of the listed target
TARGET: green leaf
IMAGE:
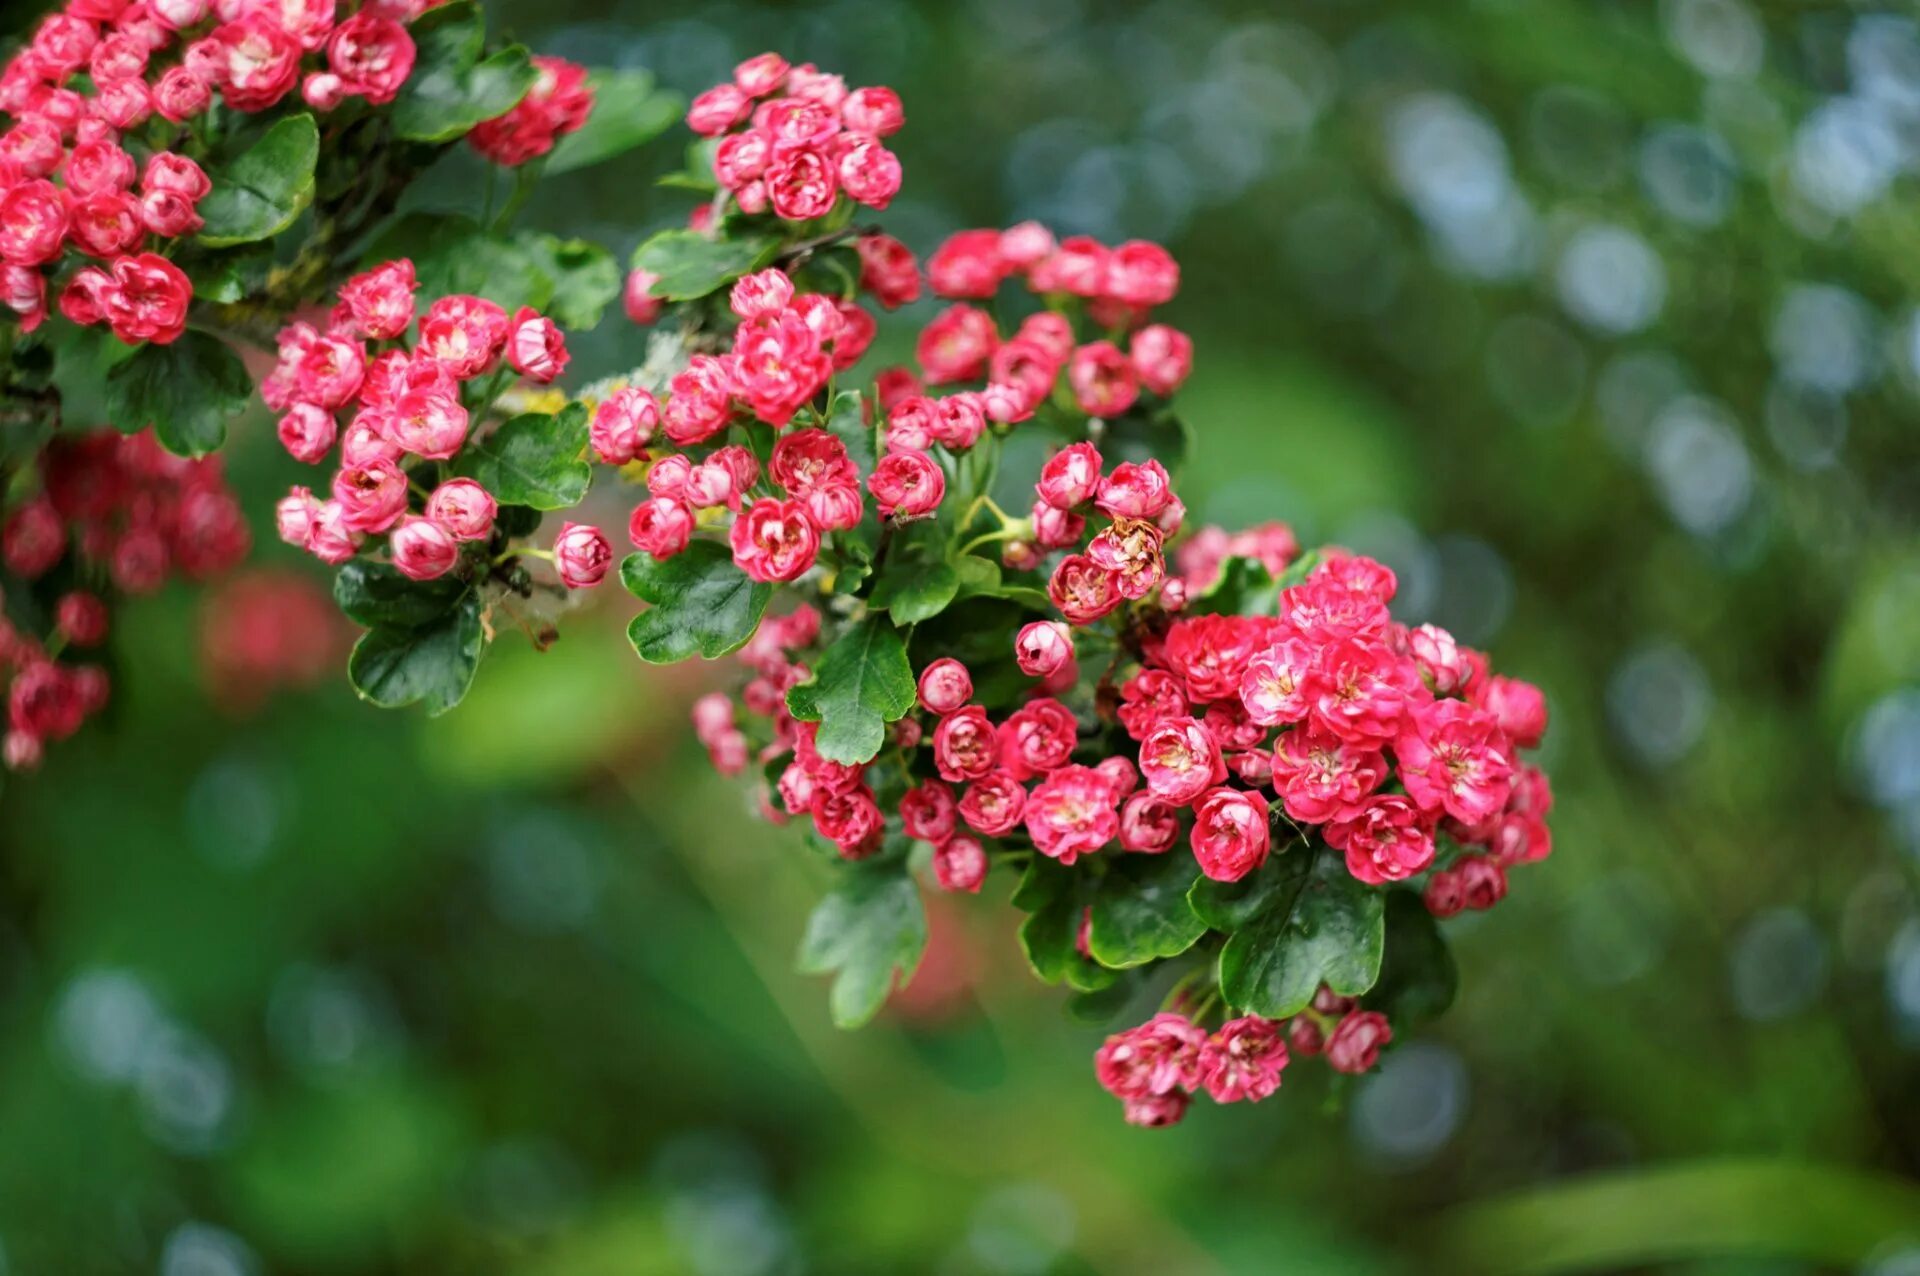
(691, 265)
(453, 255)
(1140, 910)
(1227, 906)
(870, 929)
(431, 665)
(585, 277)
(1329, 930)
(376, 595)
(1057, 899)
(535, 459)
(913, 591)
(1418, 978)
(260, 193)
(228, 277)
(451, 88)
(863, 683)
(847, 421)
(702, 603)
(185, 391)
(627, 112)
(1243, 588)
(1144, 434)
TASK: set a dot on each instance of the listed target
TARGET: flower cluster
(111, 513)
(793, 139)
(409, 400)
(1156, 1068)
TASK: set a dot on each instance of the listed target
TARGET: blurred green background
(1594, 320)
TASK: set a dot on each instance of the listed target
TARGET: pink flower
(1071, 813)
(805, 461)
(464, 508)
(1321, 777)
(1438, 657)
(907, 485)
(661, 526)
(956, 345)
(801, 186)
(1385, 838)
(293, 518)
(699, 401)
(992, 804)
(1083, 590)
(1070, 476)
(372, 496)
(1519, 707)
(1104, 381)
(761, 74)
(464, 333)
(380, 301)
(960, 864)
(1325, 609)
(179, 94)
(945, 685)
(1212, 654)
(762, 295)
(911, 423)
(1230, 833)
(1243, 1059)
(623, 425)
(1130, 549)
(1135, 490)
(1077, 266)
(1359, 690)
(641, 305)
(1156, 1111)
(968, 265)
(1142, 274)
(372, 56)
(105, 225)
(779, 364)
(1148, 824)
(33, 223)
(1273, 689)
(422, 549)
(965, 746)
(1042, 648)
(428, 423)
(1149, 698)
(256, 62)
(168, 214)
(94, 167)
(581, 555)
(875, 111)
(1159, 1057)
(1023, 245)
(1443, 894)
(851, 820)
(740, 158)
(888, 270)
(535, 346)
(774, 541)
(928, 812)
(307, 432)
(558, 103)
(1356, 1041)
(1038, 736)
(1163, 357)
(869, 173)
(1454, 757)
(331, 539)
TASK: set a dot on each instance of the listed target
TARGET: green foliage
(537, 459)
(1140, 909)
(376, 595)
(259, 194)
(452, 88)
(1300, 921)
(453, 254)
(432, 664)
(185, 391)
(1418, 977)
(585, 278)
(628, 111)
(863, 683)
(690, 265)
(701, 603)
(1056, 899)
(1243, 588)
(870, 929)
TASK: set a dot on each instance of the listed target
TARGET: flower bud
(464, 508)
(1042, 647)
(945, 685)
(959, 864)
(581, 555)
(422, 549)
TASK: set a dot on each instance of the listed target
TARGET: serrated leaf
(1328, 931)
(432, 665)
(1227, 906)
(262, 191)
(451, 88)
(912, 591)
(690, 265)
(185, 391)
(863, 683)
(1418, 977)
(585, 277)
(376, 595)
(701, 603)
(1140, 910)
(1056, 899)
(628, 110)
(868, 931)
(536, 459)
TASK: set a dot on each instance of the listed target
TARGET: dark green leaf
(1329, 931)
(691, 265)
(260, 193)
(847, 421)
(1243, 588)
(378, 596)
(185, 391)
(1140, 909)
(627, 112)
(453, 255)
(1143, 434)
(702, 604)
(1227, 906)
(585, 278)
(863, 683)
(452, 88)
(1103, 1005)
(229, 277)
(870, 929)
(1057, 900)
(535, 459)
(913, 591)
(432, 665)
(1417, 975)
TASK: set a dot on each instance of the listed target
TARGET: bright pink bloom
(464, 508)
(1180, 760)
(968, 265)
(1321, 777)
(1385, 838)
(1519, 706)
(699, 401)
(1212, 654)
(1071, 813)
(293, 517)
(1078, 266)
(1148, 824)
(535, 346)
(965, 745)
(1243, 1059)
(1023, 245)
(869, 173)
(762, 295)
(907, 485)
(1042, 648)
(661, 526)
(1142, 274)
(429, 423)
(464, 333)
(558, 104)
(801, 186)
(928, 812)
(179, 94)
(945, 685)
(1083, 590)
(805, 461)
(1230, 833)
(581, 554)
(372, 496)
(1355, 1043)
(380, 301)
(1038, 736)
(422, 549)
(372, 56)
(1360, 690)
(256, 62)
(307, 432)
(851, 820)
(1135, 490)
(33, 223)
(956, 345)
(774, 541)
(761, 74)
(623, 424)
(876, 111)
(1149, 698)
(1454, 757)
(960, 864)
(1163, 357)
(1159, 1057)
(641, 305)
(992, 804)
(1273, 689)
(1104, 381)
(888, 270)
(1070, 476)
